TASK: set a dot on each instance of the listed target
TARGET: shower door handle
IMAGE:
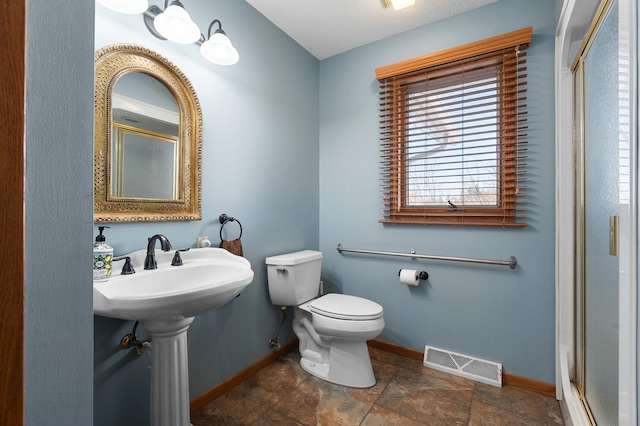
(613, 235)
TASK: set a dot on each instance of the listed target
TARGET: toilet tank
(294, 278)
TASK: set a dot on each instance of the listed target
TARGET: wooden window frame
(397, 78)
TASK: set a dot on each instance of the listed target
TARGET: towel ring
(224, 219)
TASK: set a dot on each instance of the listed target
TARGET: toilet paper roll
(409, 277)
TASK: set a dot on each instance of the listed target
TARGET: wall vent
(462, 365)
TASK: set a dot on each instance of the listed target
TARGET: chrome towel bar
(511, 263)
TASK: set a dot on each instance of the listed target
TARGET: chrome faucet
(150, 260)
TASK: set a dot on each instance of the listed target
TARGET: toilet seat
(346, 307)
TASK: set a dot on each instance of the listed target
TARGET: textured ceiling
(328, 27)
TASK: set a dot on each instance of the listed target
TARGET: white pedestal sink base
(169, 372)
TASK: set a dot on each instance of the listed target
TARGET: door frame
(12, 222)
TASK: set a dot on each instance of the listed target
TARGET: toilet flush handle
(283, 270)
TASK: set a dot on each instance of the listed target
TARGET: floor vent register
(462, 365)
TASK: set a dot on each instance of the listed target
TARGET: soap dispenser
(102, 255)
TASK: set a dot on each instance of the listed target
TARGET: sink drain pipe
(273, 343)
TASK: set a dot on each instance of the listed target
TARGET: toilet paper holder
(422, 275)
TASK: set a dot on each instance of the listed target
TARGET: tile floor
(406, 393)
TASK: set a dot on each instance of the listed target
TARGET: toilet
(333, 329)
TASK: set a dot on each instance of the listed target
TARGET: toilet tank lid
(295, 258)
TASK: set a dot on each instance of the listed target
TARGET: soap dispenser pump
(102, 256)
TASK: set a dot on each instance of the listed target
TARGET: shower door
(599, 196)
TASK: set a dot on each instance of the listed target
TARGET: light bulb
(176, 25)
(219, 50)
(401, 4)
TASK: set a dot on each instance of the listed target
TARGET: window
(453, 142)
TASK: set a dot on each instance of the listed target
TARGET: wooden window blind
(454, 135)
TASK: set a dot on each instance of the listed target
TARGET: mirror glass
(145, 147)
(147, 138)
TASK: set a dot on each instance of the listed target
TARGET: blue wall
(58, 209)
(491, 312)
(298, 167)
(260, 165)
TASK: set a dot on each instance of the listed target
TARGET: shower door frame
(584, 376)
(574, 18)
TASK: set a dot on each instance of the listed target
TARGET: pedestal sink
(166, 300)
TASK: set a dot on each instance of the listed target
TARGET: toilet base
(348, 364)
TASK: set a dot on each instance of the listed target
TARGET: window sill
(451, 223)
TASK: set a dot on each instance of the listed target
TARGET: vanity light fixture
(132, 7)
(175, 24)
(398, 4)
(218, 48)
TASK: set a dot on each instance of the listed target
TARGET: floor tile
(425, 398)
(242, 405)
(317, 402)
(511, 405)
(281, 376)
(379, 416)
(273, 418)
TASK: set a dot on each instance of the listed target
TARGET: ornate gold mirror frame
(111, 63)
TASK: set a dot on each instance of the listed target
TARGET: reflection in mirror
(145, 153)
(148, 147)
(144, 164)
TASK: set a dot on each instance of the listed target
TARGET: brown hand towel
(233, 247)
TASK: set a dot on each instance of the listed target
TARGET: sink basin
(208, 278)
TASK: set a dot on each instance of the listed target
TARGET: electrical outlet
(203, 242)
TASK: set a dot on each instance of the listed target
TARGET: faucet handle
(127, 268)
(177, 260)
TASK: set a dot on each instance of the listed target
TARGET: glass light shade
(401, 4)
(131, 7)
(219, 50)
(176, 25)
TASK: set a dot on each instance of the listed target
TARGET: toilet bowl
(332, 329)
